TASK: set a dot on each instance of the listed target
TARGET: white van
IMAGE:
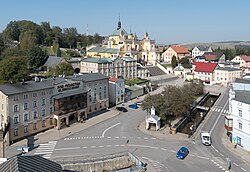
(206, 138)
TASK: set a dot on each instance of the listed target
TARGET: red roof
(179, 49)
(245, 58)
(209, 56)
(204, 67)
(113, 79)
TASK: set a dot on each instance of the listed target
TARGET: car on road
(139, 103)
(133, 106)
(122, 109)
(206, 138)
(182, 153)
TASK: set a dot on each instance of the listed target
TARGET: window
(50, 91)
(51, 110)
(16, 120)
(90, 98)
(51, 121)
(43, 123)
(25, 117)
(25, 96)
(16, 98)
(240, 112)
(51, 100)
(25, 129)
(43, 101)
(15, 108)
(34, 103)
(240, 125)
(25, 106)
(34, 94)
(94, 97)
(100, 95)
(43, 112)
(43, 93)
(16, 132)
(34, 126)
(35, 115)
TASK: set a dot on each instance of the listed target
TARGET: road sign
(234, 140)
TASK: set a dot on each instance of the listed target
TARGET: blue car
(133, 106)
(182, 153)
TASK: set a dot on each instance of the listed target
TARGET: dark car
(122, 109)
(182, 153)
(133, 106)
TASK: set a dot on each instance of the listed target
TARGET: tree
(12, 31)
(2, 47)
(13, 69)
(174, 62)
(47, 32)
(64, 69)
(185, 62)
(70, 36)
(37, 57)
(27, 40)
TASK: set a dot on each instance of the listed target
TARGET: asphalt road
(121, 134)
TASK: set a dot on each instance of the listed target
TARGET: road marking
(216, 150)
(173, 151)
(110, 128)
(144, 146)
(116, 145)
(243, 169)
(163, 149)
(153, 138)
(108, 146)
(138, 137)
(217, 119)
(67, 148)
(145, 137)
(100, 146)
(109, 137)
(116, 137)
(122, 145)
(191, 155)
(221, 154)
(92, 146)
(202, 157)
(235, 164)
(123, 137)
(84, 147)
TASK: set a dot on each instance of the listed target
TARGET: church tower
(119, 24)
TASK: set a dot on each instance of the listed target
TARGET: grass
(136, 81)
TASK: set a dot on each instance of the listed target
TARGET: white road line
(39, 153)
(92, 146)
(163, 149)
(212, 146)
(109, 137)
(153, 138)
(173, 151)
(116, 137)
(84, 147)
(217, 119)
(191, 155)
(221, 154)
(202, 157)
(116, 145)
(123, 137)
(108, 146)
(67, 148)
(243, 169)
(110, 128)
(235, 164)
(122, 145)
(145, 137)
(144, 146)
(216, 150)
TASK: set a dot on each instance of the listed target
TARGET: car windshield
(206, 138)
(182, 151)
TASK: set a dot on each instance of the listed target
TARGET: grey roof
(118, 31)
(29, 86)
(104, 50)
(73, 60)
(53, 61)
(201, 48)
(30, 163)
(88, 77)
(97, 60)
(128, 59)
(242, 96)
(240, 80)
(228, 68)
(133, 88)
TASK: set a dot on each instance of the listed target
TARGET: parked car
(182, 153)
(122, 109)
(139, 103)
(206, 138)
(133, 106)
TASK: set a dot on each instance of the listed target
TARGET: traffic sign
(234, 140)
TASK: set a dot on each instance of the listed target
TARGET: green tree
(27, 40)
(64, 69)
(185, 62)
(70, 36)
(2, 47)
(12, 31)
(13, 69)
(58, 53)
(37, 57)
(173, 62)
(47, 33)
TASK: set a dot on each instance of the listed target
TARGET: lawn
(136, 81)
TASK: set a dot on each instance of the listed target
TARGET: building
(52, 62)
(175, 50)
(204, 71)
(133, 92)
(116, 91)
(31, 107)
(226, 75)
(30, 163)
(124, 67)
(122, 43)
(213, 56)
(243, 60)
(239, 107)
(199, 51)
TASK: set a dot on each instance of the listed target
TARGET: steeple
(119, 23)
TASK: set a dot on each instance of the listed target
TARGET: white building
(116, 91)
(239, 109)
(199, 51)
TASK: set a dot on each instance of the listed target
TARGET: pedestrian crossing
(220, 109)
(46, 149)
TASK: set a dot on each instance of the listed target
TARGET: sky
(166, 21)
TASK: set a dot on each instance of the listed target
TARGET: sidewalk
(239, 152)
(54, 134)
